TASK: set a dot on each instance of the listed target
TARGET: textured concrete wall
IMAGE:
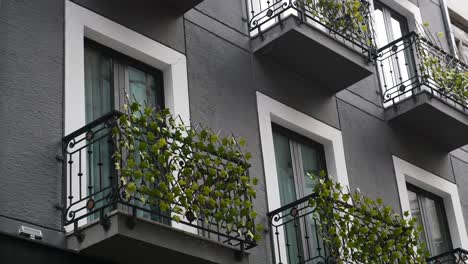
(31, 110)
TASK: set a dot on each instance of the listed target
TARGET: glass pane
(382, 39)
(396, 67)
(402, 59)
(464, 52)
(380, 29)
(397, 28)
(98, 102)
(311, 164)
(142, 86)
(416, 213)
(287, 194)
(142, 89)
(98, 90)
(284, 168)
(437, 230)
(429, 214)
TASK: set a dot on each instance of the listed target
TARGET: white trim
(409, 173)
(81, 23)
(270, 110)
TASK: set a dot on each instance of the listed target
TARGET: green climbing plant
(450, 79)
(448, 73)
(191, 174)
(361, 230)
(346, 16)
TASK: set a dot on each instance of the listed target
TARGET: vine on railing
(191, 174)
(456, 256)
(361, 230)
(446, 71)
(343, 16)
(348, 20)
(413, 64)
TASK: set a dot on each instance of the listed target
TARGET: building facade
(306, 90)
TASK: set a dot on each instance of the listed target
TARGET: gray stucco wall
(460, 168)
(223, 78)
(31, 110)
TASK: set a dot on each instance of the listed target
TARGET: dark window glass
(296, 156)
(429, 211)
(109, 77)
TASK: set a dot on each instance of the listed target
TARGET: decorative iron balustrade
(456, 256)
(95, 187)
(347, 20)
(412, 64)
(301, 236)
(296, 235)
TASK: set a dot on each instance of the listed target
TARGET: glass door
(429, 211)
(296, 157)
(397, 69)
(109, 78)
(98, 102)
(142, 87)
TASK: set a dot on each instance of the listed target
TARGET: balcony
(330, 42)
(425, 90)
(456, 256)
(105, 220)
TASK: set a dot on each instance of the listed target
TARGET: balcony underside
(124, 243)
(313, 54)
(431, 117)
(181, 5)
(130, 8)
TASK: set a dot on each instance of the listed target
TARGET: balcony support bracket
(131, 220)
(77, 233)
(105, 220)
(239, 254)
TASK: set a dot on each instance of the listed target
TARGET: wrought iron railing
(300, 233)
(456, 256)
(95, 189)
(411, 65)
(296, 235)
(347, 20)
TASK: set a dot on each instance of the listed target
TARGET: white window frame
(81, 23)
(406, 172)
(271, 111)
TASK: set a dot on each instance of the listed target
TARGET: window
(398, 66)
(461, 40)
(389, 25)
(109, 76)
(429, 211)
(295, 157)
(462, 50)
